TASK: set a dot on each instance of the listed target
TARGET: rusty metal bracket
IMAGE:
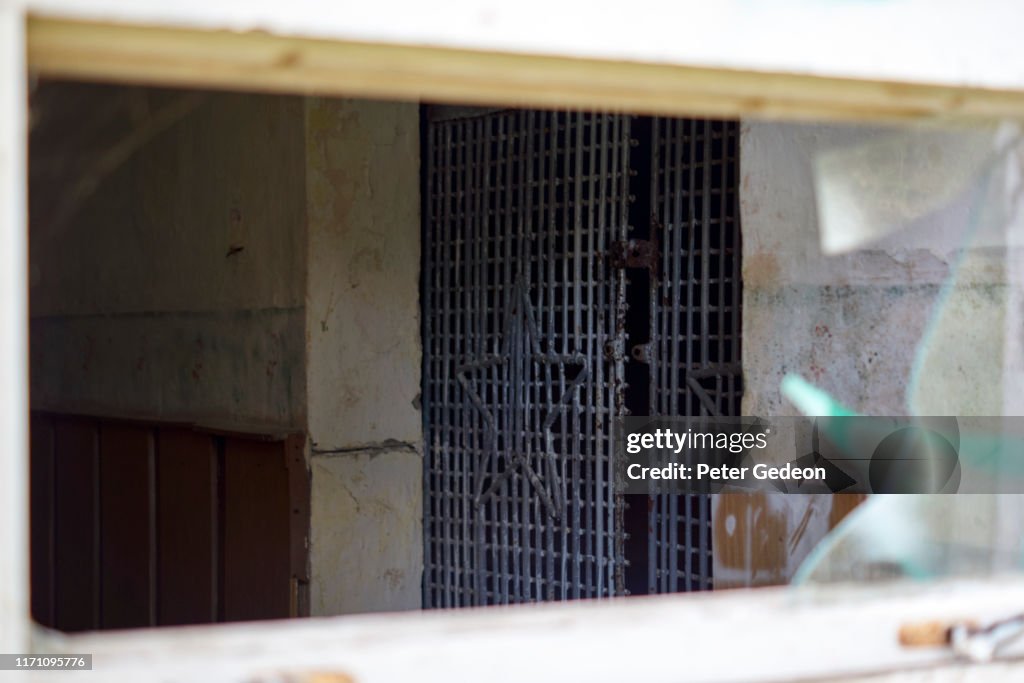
(635, 254)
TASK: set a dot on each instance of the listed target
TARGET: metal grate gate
(522, 316)
(694, 355)
(525, 326)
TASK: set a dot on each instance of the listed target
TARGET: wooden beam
(261, 61)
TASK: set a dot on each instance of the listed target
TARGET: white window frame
(961, 62)
(14, 624)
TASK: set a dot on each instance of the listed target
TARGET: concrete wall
(363, 355)
(253, 262)
(167, 268)
(851, 323)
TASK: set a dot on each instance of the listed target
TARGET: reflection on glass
(955, 194)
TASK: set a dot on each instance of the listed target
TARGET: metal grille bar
(522, 356)
(695, 321)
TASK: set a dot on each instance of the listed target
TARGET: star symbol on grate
(511, 373)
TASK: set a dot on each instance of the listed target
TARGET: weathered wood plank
(959, 44)
(77, 546)
(127, 526)
(257, 555)
(198, 52)
(187, 527)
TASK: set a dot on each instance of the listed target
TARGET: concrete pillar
(363, 355)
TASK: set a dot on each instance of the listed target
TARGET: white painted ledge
(749, 636)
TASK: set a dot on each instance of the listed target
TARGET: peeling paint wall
(174, 289)
(363, 355)
(849, 323)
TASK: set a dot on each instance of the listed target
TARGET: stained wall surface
(168, 255)
(363, 355)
